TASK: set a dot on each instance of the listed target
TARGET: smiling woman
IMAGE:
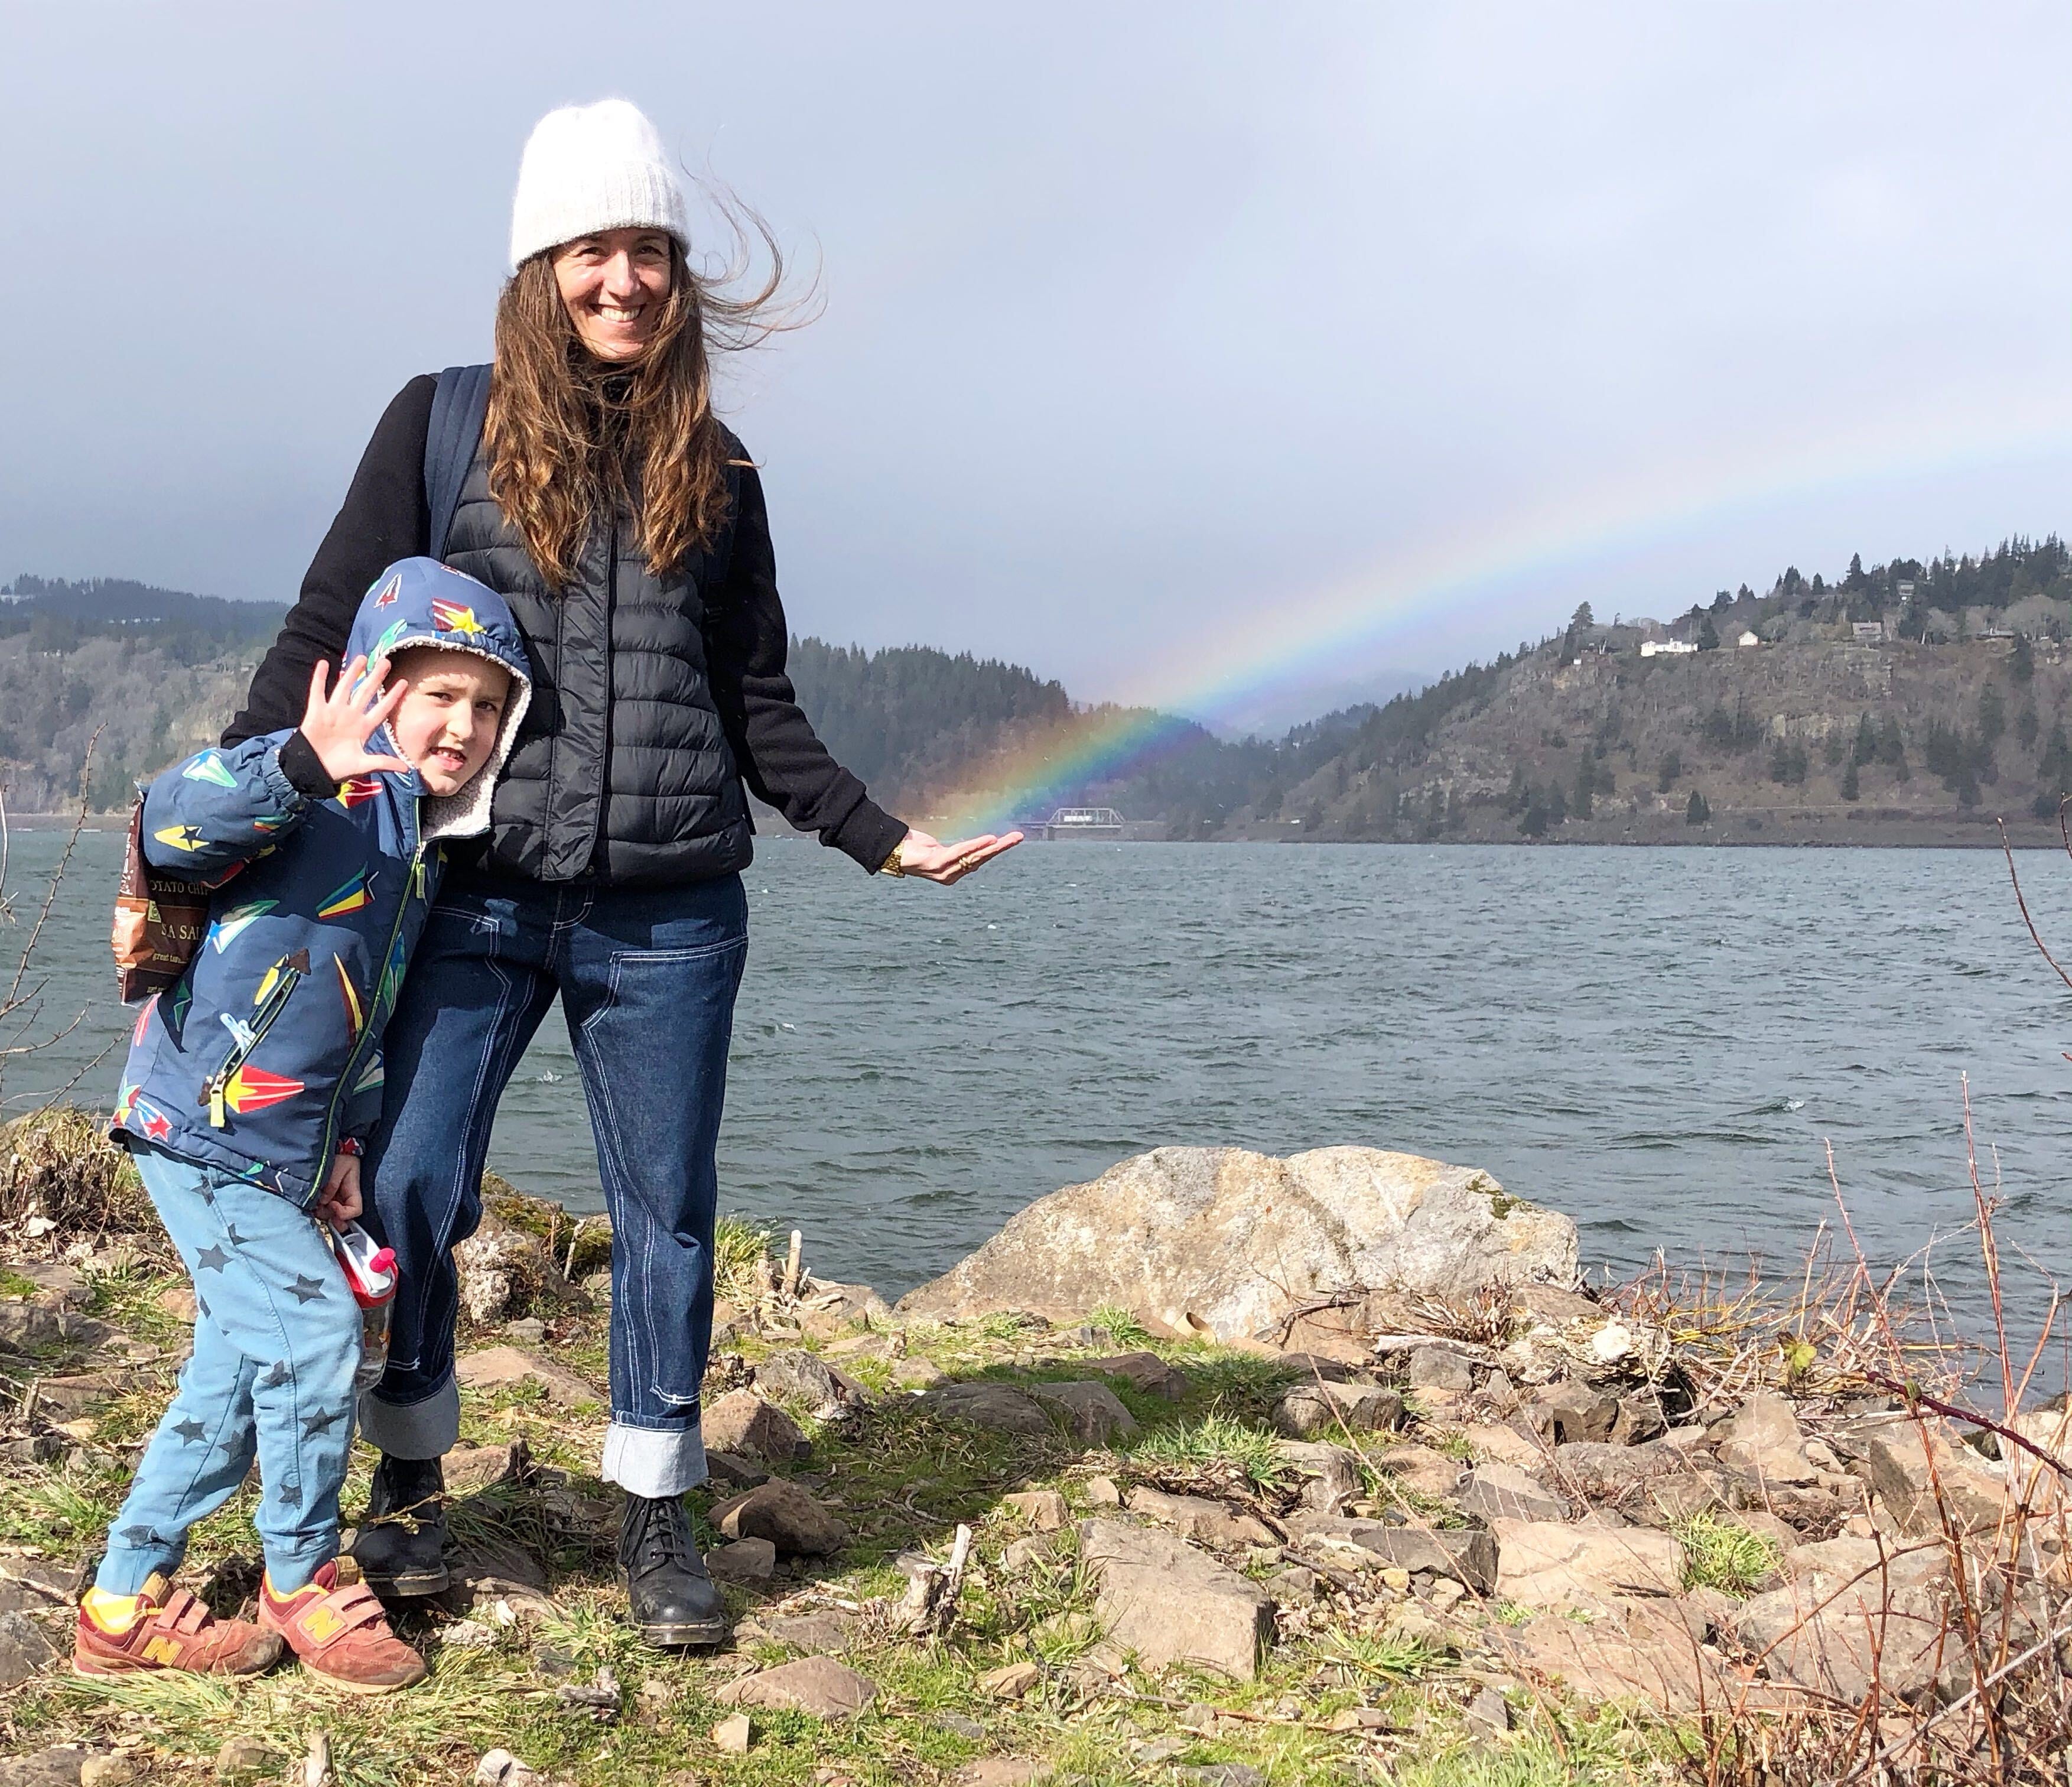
(597, 493)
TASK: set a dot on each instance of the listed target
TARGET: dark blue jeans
(647, 978)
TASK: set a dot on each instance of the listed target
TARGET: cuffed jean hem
(654, 1461)
(287, 1572)
(125, 1568)
(412, 1430)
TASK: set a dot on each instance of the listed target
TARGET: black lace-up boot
(401, 1545)
(671, 1595)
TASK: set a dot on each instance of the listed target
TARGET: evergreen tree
(1892, 749)
(1671, 773)
(1708, 637)
(1519, 796)
(1866, 750)
(2053, 773)
(1581, 618)
(1992, 714)
(2026, 725)
(1697, 813)
(1557, 804)
(2021, 664)
(1534, 823)
(1851, 788)
(1586, 784)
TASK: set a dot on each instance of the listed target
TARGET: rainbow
(1215, 675)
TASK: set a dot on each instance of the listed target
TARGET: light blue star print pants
(275, 1343)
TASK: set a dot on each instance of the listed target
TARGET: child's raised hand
(339, 721)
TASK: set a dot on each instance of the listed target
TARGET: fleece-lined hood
(421, 602)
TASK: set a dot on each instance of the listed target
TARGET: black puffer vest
(622, 771)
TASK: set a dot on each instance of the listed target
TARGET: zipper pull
(215, 1116)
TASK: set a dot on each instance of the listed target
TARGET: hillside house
(1867, 632)
(1667, 648)
(1749, 637)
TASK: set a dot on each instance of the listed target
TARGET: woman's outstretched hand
(931, 860)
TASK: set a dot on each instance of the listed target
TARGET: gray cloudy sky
(1224, 355)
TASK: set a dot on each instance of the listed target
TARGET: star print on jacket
(306, 1289)
(191, 1431)
(278, 1375)
(454, 617)
(181, 837)
(211, 1258)
(321, 1422)
(289, 1495)
(140, 1536)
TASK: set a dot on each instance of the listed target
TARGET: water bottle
(370, 1273)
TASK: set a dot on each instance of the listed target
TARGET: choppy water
(1657, 1042)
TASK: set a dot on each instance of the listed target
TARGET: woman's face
(615, 284)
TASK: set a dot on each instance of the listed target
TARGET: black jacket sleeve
(384, 519)
(780, 757)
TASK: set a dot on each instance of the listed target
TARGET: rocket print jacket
(266, 1054)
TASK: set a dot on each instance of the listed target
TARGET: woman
(625, 528)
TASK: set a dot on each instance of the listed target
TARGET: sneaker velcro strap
(182, 1612)
(330, 1617)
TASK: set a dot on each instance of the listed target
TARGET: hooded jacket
(266, 1054)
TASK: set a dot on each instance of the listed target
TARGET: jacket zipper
(215, 1086)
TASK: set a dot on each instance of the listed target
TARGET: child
(252, 1083)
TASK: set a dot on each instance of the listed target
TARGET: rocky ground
(1461, 1527)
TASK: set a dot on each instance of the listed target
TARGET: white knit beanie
(588, 168)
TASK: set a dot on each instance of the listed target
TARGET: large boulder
(1237, 1242)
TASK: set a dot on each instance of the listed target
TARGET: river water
(1659, 1042)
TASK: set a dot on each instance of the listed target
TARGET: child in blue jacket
(252, 1083)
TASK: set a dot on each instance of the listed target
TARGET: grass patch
(1718, 1555)
(1364, 1659)
(1216, 1439)
(1126, 1333)
(1246, 1385)
(740, 1249)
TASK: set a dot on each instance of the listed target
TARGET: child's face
(446, 725)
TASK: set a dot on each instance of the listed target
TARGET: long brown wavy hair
(569, 437)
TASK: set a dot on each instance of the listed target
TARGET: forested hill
(1910, 700)
(156, 673)
(910, 720)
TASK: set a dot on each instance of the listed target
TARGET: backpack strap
(459, 405)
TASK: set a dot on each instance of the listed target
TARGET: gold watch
(890, 865)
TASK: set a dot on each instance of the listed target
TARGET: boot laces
(658, 1534)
